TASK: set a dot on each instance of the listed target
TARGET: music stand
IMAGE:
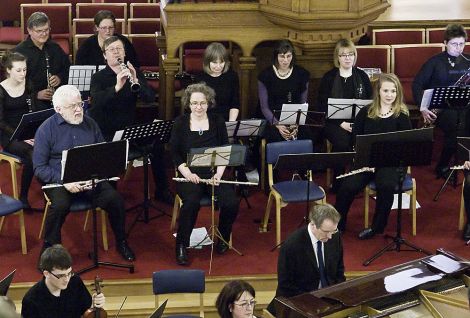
(308, 161)
(144, 135)
(91, 162)
(29, 123)
(299, 115)
(345, 108)
(395, 149)
(80, 76)
(6, 282)
(213, 157)
(251, 128)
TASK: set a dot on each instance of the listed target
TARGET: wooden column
(247, 65)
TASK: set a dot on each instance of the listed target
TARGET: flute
(86, 185)
(461, 167)
(353, 172)
(210, 181)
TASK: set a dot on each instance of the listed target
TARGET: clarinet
(48, 74)
(135, 87)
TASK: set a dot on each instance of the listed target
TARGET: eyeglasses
(43, 31)
(60, 276)
(75, 105)
(247, 304)
(329, 232)
(106, 28)
(202, 104)
(345, 55)
(456, 45)
(115, 49)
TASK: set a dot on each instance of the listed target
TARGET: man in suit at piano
(66, 129)
(311, 257)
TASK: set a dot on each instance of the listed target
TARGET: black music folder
(29, 123)
(6, 282)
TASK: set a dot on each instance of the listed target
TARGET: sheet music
(289, 114)
(408, 279)
(246, 128)
(80, 76)
(118, 135)
(444, 264)
(426, 100)
(341, 108)
(221, 159)
(371, 71)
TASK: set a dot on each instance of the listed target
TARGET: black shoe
(466, 232)
(366, 234)
(221, 247)
(181, 255)
(125, 251)
(24, 200)
(165, 196)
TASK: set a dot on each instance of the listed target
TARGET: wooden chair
(88, 10)
(374, 56)
(11, 204)
(462, 210)
(87, 26)
(398, 36)
(80, 203)
(143, 25)
(284, 192)
(147, 52)
(435, 35)
(60, 16)
(144, 10)
(409, 187)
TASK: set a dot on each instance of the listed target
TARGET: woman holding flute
(194, 130)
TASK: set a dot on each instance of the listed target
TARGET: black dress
(182, 140)
(11, 111)
(385, 178)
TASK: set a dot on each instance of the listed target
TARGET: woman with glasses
(223, 80)
(16, 99)
(387, 113)
(343, 81)
(236, 300)
(60, 293)
(194, 130)
(91, 51)
(284, 82)
(446, 69)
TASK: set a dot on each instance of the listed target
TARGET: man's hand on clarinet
(428, 116)
(45, 94)
(466, 165)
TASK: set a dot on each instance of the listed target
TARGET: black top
(438, 71)
(58, 62)
(364, 125)
(283, 91)
(90, 53)
(72, 302)
(227, 92)
(115, 111)
(356, 86)
(11, 111)
(183, 139)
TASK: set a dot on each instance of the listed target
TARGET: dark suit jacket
(297, 268)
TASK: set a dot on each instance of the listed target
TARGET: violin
(96, 312)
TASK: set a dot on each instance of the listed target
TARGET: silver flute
(135, 87)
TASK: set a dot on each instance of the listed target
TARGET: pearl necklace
(387, 113)
(282, 76)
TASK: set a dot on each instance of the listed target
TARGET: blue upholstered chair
(409, 187)
(179, 281)
(11, 204)
(285, 192)
(81, 202)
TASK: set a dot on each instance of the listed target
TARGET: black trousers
(340, 140)
(25, 152)
(191, 195)
(386, 180)
(106, 197)
(453, 123)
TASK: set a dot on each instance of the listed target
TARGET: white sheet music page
(408, 279)
(426, 100)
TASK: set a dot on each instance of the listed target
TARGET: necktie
(321, 265)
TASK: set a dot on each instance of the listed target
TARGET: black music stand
(250, 128)
(80, 77)
(213, 157)
(309, 161)
(395, 149)
(29, 123)
(6, 282)
(94, 162)
(143, 136)
(345, 108)
(298, 115)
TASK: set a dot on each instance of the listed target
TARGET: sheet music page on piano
(445, 264)
(408, 279)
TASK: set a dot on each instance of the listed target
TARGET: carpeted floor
(154, 243)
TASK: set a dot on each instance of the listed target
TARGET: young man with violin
(60, 293)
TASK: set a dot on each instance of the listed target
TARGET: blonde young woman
(387, 113)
